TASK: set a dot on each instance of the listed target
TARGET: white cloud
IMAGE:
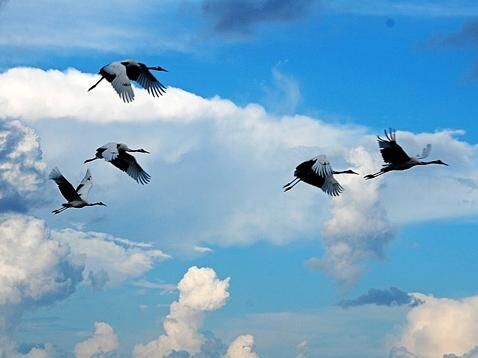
(302, 349)
(242, 347)
(441, 326)
(33, 267)
(358, 227)
(235, 197)
(103, 343)
(21, 167)
(108, 260)
(199, 291)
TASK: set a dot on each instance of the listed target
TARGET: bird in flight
(121, 73)
(318, 172)
(116, 154)
(395, 157)
(77, 198)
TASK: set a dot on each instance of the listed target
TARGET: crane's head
(143, 151)
(100, 203)
(439, 162)
(350, 171)
(157, 68)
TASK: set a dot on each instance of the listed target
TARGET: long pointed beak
(352, 172)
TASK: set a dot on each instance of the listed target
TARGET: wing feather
(121, 82)
(130, 166)
(66, 189)
(322, 166)
(150, 83)
(85, 185)
(391, 152)
(332, 186)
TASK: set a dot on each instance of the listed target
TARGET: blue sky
(254, 89)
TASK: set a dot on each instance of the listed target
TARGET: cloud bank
(249, 151)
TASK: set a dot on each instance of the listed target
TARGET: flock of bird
(317, 171)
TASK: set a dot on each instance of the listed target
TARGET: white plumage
(116, 154)
(121, 73)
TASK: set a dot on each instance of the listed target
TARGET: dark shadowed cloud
(471, 354)
(465, 37)
(240, 16)
(388, 297)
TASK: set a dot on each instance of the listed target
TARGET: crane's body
(121, 73)
(396, 158)
(318, 172)
(117, 154)
(76, 198)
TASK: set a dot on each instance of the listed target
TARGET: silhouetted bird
(116, 154)
(319, 173)
(77, 198)
(121, 73)
(396, 158)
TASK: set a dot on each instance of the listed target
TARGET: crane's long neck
(420, 162)
(97, 203)
(344, 172)
(96, 84)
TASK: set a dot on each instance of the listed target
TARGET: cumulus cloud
(108, 260)
(471, 354)
(35, 270)
(39, 266)
(235, 197)
(388, 297)
(358, 227)
(22, 170)
(33, 267)
(242, 347)
(440, 326)
(200, 291)
(103, 343)
(232, 16)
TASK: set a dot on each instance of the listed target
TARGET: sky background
(211, 258)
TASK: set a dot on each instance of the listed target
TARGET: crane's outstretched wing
(392, 153)
(121, 82)
(85, 185)
(128, 164)
(66, 189)
(110, 151)
(322, 166)
(425, 152)
(332, 186)
(147, 80)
